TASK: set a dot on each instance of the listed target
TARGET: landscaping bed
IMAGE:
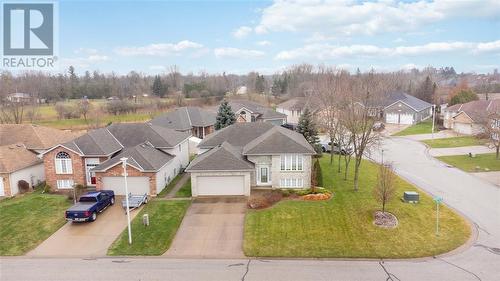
(343, 227)
(479, 163)
(155, 239)
(455, 142)
(29, 219)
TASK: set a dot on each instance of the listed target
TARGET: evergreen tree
(225, 116)
(426, 90)
(158, 88)
(308, 129)
(260, 84)
(463, 96)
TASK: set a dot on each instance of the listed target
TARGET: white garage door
(405, 119)
(391, 118)
(136, 185)
(462, 128)
(220, 185)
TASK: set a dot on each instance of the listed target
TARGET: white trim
(114, 138)
(61, 145)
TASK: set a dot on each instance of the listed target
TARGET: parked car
(326, 145)
(345, 149)
(89, 205)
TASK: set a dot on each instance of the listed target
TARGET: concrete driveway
(211, 228)
(85, 239)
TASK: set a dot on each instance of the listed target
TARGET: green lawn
(454, 142)
(171, 185)
(154, 240)
(185, 190)
(424, 127)
(480, 163)
(80, 123)
(342, 227)
(29, 219)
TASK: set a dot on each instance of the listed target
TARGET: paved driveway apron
(86, 239)
(211, 228)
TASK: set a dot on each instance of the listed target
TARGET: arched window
(63, 163)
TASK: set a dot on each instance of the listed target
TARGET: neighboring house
(294, 107)
(36, 138)
(197, 121)
(251, 155)
(248, 111)
(155, 156)
(19, 146)
(401, 108)
(468, 118)
(18, 163)
(20, 98)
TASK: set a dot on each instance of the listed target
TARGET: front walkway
(178, 185)
(211, 228)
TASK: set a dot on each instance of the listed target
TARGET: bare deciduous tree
(385, 189)
(491, 127)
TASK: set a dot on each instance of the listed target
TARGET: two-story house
(155, 156)
(198, 121)
(251, 155)
(248, 111)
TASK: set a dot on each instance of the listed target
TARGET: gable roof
(184, 118)
(238, 134)
(477, 110)
(224, 157)
(278, 140)
(142, 156)
(262, 111)
(33, 136)
(96, 142)
(132, 134)
(413, 102)
(300, 103)
(23, 158)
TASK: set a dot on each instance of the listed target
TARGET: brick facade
(78, 163)
(131, 172)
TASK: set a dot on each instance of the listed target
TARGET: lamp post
(433, 116)
(124, 165)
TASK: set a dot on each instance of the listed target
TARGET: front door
(263, 175)
(90, 163)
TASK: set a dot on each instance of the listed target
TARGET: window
(63, 163)
(292, 183)
(291, 162)
(64, 184)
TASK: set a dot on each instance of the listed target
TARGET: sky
(269, 36)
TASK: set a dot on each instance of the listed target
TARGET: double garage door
(220, 185)
(136, 185)
(399, 118)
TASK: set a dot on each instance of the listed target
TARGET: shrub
(117, 107)
(23, 186)
(258, 202)
(273, 197)
(66, 111)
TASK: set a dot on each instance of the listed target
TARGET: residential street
(479, 200)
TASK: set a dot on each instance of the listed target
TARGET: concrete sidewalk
(464, 150)
(437, 135)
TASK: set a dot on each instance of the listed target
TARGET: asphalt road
(479, 200)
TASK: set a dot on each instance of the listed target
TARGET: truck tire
(112, 202)
(93, 217)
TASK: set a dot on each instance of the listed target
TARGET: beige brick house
(251, 155)
(155, 156)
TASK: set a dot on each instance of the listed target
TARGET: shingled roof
(262, 111)
(143, 156)
(33, 136)
(132, 134)
(300, 103)
(417, 104)
(14, 157)
(223, 157)
(278, 140)
(184, 118)
(238, 134)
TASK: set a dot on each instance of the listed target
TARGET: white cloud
(242, 32)
(263, 43)
(399, 40)
(160, 49)
(85, 61)
(369, 17)
(328, 51)
(237, 53)
(88, 51)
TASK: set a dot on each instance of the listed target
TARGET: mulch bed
(385, 220)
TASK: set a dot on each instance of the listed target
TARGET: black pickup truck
(89, 205)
